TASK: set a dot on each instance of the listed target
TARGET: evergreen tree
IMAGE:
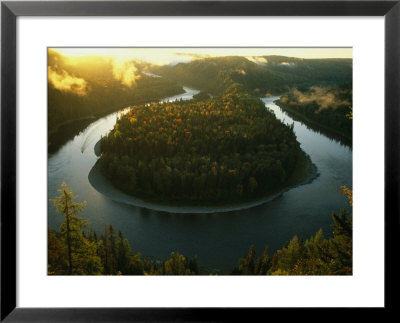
(71, 227)
(288, 257)
(177, 264)
(56, 254)
(263, 263)
(80, 253)
(247, 264)
(341, 245)
(124, 254)
(108, 251)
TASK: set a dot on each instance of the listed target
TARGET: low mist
(322, 96)
(67, 83)
(125, 71)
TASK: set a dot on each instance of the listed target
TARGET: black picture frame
(10, 10)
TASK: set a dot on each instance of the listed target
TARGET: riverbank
(66, 131)
(304, 173)
(97, 148)
(61, 133)
(325, 130)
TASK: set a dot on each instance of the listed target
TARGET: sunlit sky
(163, 56)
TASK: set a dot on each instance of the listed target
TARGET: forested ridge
(200, 152)
(75, 250)
(258, 75)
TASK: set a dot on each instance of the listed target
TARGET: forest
(199, 152)
(89, 87)
(260, 76)
(318, 91)
(329, 108)
(221, 148)
(77, 250)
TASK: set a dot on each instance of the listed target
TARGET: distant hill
(259, 75)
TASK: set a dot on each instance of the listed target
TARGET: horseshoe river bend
(219, 237)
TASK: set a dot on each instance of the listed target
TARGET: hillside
(83, 88)
(324, 109)
(258, 75)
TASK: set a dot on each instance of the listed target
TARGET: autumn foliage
(222, 149)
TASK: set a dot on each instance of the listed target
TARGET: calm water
(218, 239)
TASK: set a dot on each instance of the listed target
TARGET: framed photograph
(197, 160)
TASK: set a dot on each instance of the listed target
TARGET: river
(218, 239)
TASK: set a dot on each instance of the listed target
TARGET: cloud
(194, 55)
(186, 58)
(67, 83)
(287, 64)
(125, 71)
(258, 59)
(322, 96)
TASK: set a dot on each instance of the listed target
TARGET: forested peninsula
(219, 151)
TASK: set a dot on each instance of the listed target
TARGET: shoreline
(57, 129)
(326, 130)
(102, 185)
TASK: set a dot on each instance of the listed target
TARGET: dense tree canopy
(316, 91)
(258, 75)
(314, 256)
(63, 106)
(326, 109)
(217, 150)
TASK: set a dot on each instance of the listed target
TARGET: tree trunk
(68, 235)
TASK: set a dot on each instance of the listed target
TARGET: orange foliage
(349, 194)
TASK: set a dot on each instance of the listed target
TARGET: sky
(162, 56)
